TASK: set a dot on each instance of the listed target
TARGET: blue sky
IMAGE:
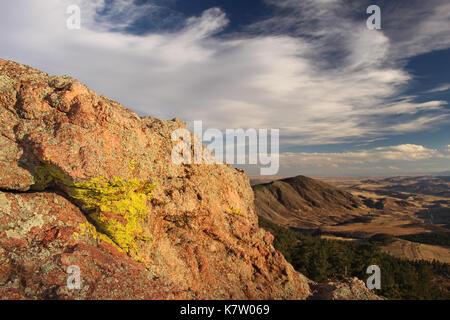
(347, 100)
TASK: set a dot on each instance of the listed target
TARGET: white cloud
(424, 28)
(275, 81)
(442, 88)
(401, 158)
(404, 152)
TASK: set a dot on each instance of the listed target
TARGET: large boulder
(87, 182)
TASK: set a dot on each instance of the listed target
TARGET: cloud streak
(406, 158)
(442, 88)
(327, 80)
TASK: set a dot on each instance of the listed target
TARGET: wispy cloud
(401, 158)
(417, 27)
(442, 88)
(405, 152)
(329, 79)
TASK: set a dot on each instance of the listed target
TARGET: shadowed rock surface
(348, 289)
(87, 182)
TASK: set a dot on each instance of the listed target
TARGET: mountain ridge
(303, 202)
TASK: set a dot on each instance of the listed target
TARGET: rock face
(348, 289)
(305, 203)
(85, 182)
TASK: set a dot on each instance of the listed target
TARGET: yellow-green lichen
(47, 174)
(236, 211)
(132, 165)
(117, 206)
(88, 230)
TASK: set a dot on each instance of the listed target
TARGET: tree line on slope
(433, 238)
(322, 259)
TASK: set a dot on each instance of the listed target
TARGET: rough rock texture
(37, 247)
(87, 182)
(348, 289)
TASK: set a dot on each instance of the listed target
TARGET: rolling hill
(305, 203)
